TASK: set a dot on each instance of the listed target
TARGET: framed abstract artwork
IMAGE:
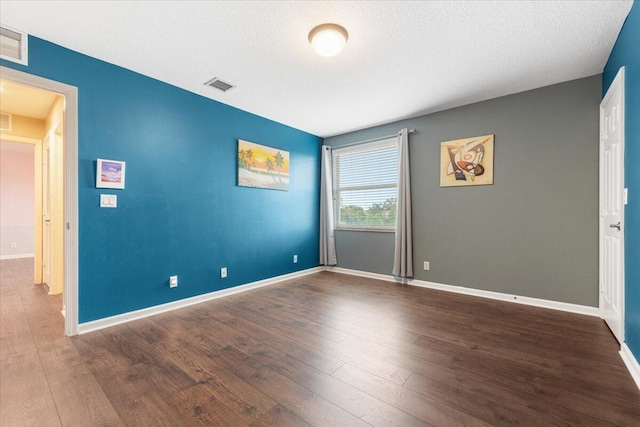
(467, 161)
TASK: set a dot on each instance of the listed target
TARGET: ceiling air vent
(219, 84)
(13, 45)
(5, 122)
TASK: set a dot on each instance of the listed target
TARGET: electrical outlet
(12, 245)
(173, 281)
(295, 259)
(426, 265)
(223, 272)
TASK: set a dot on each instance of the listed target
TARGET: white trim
(518, 299)
(70, 185)
(367, 274)
(71, 211)
(16, 256)
(536, 302)
(367, 229)
(631, 362)
(118, 319)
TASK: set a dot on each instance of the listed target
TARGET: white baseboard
(631, 362)
(118, 319)
(16, 256)
(360, 273)
(537, 302)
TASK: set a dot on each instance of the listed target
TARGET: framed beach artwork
(262, 167)
(110, 174)
(467, 161)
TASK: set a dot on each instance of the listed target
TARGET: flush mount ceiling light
(328, 39)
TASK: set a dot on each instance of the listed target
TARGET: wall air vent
(13, 45)
(5, 122)
(219, 84)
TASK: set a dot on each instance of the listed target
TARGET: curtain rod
(380, 138)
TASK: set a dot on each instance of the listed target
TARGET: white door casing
(612, 207)
(46, 211)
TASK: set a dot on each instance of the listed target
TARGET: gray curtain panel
(403, 254)
(327, 235)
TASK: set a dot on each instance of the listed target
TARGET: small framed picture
(110, 174)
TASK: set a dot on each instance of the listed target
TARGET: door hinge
(68, 226)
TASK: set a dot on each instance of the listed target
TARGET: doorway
(55, 254)
(34, 114)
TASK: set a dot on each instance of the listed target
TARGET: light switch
(108, 201)
(625, 196)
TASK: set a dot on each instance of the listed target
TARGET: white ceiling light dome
(328, 39)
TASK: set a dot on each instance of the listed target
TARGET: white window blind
(365, 182)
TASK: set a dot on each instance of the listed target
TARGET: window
(365, 185)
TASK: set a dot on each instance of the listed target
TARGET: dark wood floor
(325, 349)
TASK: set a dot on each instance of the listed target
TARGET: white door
(612, 207)
(46, 211)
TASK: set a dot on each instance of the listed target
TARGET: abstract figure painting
(467, 161)
(262, 167)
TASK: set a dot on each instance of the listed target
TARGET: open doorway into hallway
(31, 188)
(39, 118)
(31, 183)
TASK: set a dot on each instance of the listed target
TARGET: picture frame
(467, 161)
(110, 174)
(260, 166)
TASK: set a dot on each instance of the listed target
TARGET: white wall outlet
(173, 281)
(295, 259)
(12, 245)
(223, 272)
(426, 265)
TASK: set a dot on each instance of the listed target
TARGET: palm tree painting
(262, 167)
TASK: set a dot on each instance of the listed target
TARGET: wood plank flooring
(323, 350)
(43, 379)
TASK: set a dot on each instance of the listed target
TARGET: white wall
(16, 200)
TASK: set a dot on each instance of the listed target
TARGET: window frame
(353, 149)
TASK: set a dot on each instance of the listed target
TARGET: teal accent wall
(626, 52)
(181, 212)
(534, 232)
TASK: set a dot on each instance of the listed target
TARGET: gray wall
(534, 232)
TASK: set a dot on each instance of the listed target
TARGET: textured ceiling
(403, 59)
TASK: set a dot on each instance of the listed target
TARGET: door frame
(70, 190)
(618, 81)
(46, 240)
